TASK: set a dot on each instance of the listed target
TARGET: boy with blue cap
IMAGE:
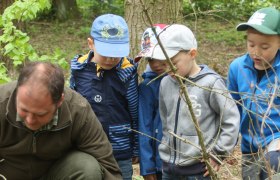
(253, 80)
(108, 80)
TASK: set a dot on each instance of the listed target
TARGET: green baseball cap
(265, 20)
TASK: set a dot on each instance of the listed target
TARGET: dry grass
(231, 169)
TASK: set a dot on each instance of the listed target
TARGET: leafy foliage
(15, 43)
(234, 9)
(3, 76)
(98, 7)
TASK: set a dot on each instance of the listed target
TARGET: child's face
(184, 61)
(158, 66)
(106, 63)
(262, 48)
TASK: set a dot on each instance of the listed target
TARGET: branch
(205, 154)
(188, 142)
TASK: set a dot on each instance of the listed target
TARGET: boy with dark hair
(108, 80)
(253, 79)
(149, 118)
(49, 131)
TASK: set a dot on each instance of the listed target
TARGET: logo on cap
(257, 18)
(111, 32)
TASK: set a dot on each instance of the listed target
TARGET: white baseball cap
(174, 38)
(148, 41)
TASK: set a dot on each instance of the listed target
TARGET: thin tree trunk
(65, 9)
(4, 4)
(161, 11)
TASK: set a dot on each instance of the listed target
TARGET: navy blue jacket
(113, 97)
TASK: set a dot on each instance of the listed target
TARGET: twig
(159, 76)
(188, 142)
(269, 105)
(175, 150)
(205, 154)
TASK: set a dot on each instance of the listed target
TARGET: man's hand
(150, 177)
(215, 166)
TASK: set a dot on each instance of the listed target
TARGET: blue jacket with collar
(149, 124)
(258, 101)
(113, 96)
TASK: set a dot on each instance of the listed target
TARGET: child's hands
(214, 165)
(150, 177)
(135, 160)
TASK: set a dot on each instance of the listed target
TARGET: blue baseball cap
(111, 36)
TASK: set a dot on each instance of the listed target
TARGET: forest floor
(218, 44)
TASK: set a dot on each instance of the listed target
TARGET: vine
(15, 44)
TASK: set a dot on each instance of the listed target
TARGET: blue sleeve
(132, 97)
(232, 84)
(146, 118)
(75, 65)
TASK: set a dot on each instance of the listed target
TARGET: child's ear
(90, 43)
(193, 53)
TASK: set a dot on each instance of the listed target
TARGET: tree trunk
(4, 4)
(160, 11)
(65, 9)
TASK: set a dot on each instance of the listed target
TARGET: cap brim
(144, 53)
(260, 28)
(158, 53)
(137, 58)
(111, 50)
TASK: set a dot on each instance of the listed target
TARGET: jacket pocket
(188, 152)
(165, 149)
(120, 137)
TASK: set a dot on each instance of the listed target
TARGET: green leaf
(8, 48)
(44, 58)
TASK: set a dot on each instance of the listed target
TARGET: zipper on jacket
(256, 82)
(154, 144)
(34, 136)
(175, 128)
(34, 143)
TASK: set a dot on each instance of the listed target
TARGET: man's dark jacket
(28, 155)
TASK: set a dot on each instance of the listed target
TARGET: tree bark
(4, 4)
(160, 11)
(65, 9)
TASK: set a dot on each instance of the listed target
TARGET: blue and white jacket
(260, 119)
(113, 96)
(149, 124)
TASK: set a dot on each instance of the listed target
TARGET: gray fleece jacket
(216, 112)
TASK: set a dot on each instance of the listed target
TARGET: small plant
(15, 43)
(232, 10)
(100, 7)
(3, 74)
